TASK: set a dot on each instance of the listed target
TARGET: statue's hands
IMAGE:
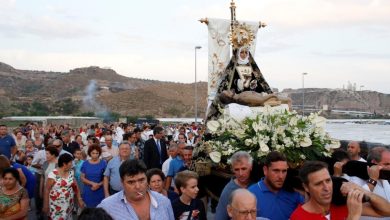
(228, 93)
(240, 85)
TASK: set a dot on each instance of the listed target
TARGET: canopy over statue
(235, 79)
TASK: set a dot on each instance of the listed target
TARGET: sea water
(376, 131)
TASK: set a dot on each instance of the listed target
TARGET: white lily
(215, 156)
(213, 126)
(305, 142)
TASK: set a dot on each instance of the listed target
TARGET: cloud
(44, 27)
(171, 67)
(330, 38)
(7, 4)
(148, 43)
(353, 54)
(317, 13)
(52, 23)
(300, 14)
(283, 71)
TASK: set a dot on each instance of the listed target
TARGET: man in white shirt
(172, 152)
(109, 151)
(191, 139)
(380, 156)
(84, 135)
(119, 134)
(38, 160)
(354, 150)
(145, 135)
(181, 131)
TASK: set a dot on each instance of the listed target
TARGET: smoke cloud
(90, 103)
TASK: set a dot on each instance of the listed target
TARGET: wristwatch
(372, 182)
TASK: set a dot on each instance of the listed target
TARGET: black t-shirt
(181, 210)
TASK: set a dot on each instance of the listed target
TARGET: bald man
(354, 151)
(242, 205)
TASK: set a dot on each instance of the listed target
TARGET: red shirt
(336, 213)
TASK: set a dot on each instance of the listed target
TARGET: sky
(334, 41)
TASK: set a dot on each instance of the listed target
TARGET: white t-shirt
(165, 165)
(382, 189)
(39, 158)
(362, 160)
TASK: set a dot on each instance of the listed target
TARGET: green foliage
(38, 109)
(149, 117)
(30, 88)
(21, 108)
(132, 119)
(66, 107)
(115, 116)
(174, 111)
(88, 114)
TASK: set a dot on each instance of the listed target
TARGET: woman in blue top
(92, 176)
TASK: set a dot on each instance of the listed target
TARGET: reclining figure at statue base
(253, 99)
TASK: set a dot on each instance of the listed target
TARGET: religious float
(244, 113)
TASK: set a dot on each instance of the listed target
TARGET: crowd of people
(124, 171)
(66, 170)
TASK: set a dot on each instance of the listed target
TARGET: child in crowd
(28, 163)
(78, 161)
(187, 206)
(19, 157)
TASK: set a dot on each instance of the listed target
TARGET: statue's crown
(241, 35)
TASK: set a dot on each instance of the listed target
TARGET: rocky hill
(339, 99)
(97, 90)
(94, 89)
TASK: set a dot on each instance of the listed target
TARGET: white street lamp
(196, 89)
(303, 93)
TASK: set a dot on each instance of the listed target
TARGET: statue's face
(243, 54)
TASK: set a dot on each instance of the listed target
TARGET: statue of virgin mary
(242, 81)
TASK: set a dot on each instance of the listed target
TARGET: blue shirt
(94, 173)
(221, 212)
(6, 144)
(77, 173)
(275, 206)
(30, 179)
(112, 171)
(119, 208)
(175, 166)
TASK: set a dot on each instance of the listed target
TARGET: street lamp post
(303, 93)
(196, 89)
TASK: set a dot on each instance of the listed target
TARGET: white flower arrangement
(298, 137)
